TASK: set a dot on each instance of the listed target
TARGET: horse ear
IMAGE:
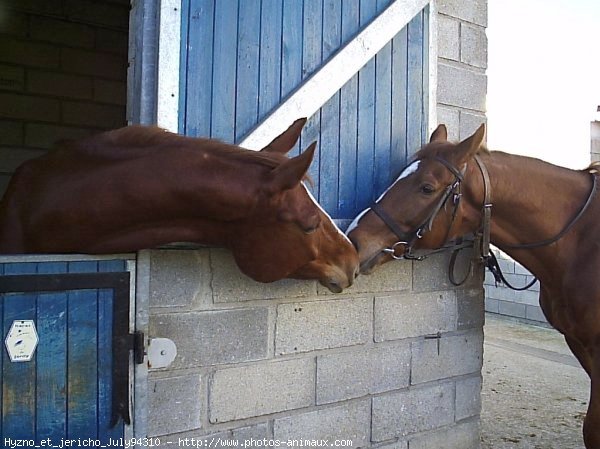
(290, 173)
(471, 145)
(440, 134)
(286, 140)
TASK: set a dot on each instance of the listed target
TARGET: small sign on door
(21, 341)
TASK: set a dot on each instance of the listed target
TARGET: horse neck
(532, 201)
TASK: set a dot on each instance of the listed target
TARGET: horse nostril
(334, 287)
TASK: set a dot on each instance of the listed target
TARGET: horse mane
(136, 140)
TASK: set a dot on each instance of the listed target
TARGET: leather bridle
(482, 237)
(408, 239)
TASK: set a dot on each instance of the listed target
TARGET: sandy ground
(534, 391)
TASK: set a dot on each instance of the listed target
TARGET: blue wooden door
(66, 390)
(242, 58)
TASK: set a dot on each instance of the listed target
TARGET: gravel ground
(534, 391)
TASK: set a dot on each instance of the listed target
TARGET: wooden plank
(415, 111)
(383, 121)
(291, 55)
(51, 324)
(311, 60)
(18, 378)
(183, 64)
(330, 114)
(105, 359)
(224, 70)
(199, 76)
(248, 57)
(366, 120)
(82, 364)
(348, 123)
(270, 56)
(399, 100)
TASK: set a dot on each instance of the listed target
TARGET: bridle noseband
(408, 239)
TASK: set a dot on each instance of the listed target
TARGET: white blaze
(412, 168)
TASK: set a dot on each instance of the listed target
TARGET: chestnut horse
(544, 216)
(140, 187)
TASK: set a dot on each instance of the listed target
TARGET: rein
(482, 237)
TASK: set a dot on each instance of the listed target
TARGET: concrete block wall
(501, 300)
(63, 69)
(395, 361)
(462, 61)
(595, 141)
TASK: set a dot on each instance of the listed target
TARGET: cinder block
(412, 315)
(461, 87)
(210, 338)
(512, 309)
(231, 285)
(432, 273)
(469, 123)
(399, 444)
(391, 277)
(62, 32)
(99, 13)
(27, 53)
(174, 404)
(535, 313)
(245, 435)
(474, 11)
(27, 107)
(473, 45)
(529, 297)
(112, 41)
(434, 359)
(180, 278)
(354, 374)
(93, 114)
(260, 389)
(40, 135)
(468, 397)
(11, 133)
(461, 436)
(85, 62)
(491, 305)
(450, 118)
(411, 411)
(470, 309)
(308, 326)
(194, 439)
(14, 23)
(112, 92)
(520, 269)
(12, 78)
(350, 421)
(59, 84)
(448, 38)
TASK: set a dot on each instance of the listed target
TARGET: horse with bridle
(544, 216)
(141, 187)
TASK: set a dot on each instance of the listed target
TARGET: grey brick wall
(595, 141)
(394, 360)
(63, 68)
(500, 299)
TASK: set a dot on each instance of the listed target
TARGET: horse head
(422, 208)
(289, 234)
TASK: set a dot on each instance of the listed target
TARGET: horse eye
(427, 189)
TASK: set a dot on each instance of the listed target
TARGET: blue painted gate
(80, 309)
(241, 58)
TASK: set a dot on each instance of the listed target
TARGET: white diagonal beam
(330, 78)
